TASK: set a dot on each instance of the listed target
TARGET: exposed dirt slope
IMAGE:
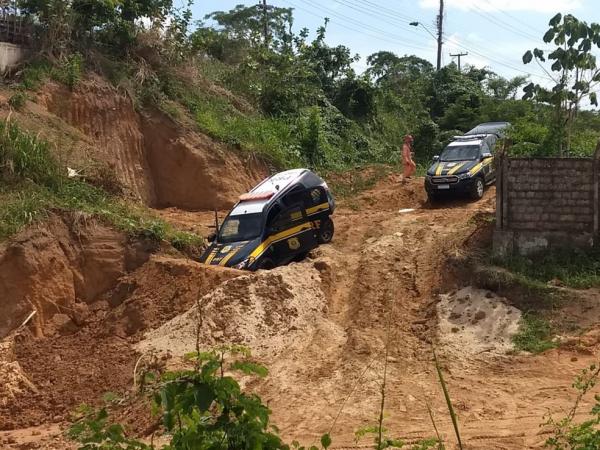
(162, 162)
(59, 266)
(96, 355)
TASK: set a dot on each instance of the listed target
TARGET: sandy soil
(321, 326)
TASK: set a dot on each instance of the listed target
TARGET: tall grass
(573, 267)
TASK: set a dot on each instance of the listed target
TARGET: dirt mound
(67, 371)
(13, 381)
(96, 354)
(263, 311)
(51, 267)
(474, 322)
(158, 291)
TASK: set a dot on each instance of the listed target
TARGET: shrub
(201, 408)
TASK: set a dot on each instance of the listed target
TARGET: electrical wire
(356, 30)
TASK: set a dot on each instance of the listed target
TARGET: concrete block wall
(545, 202)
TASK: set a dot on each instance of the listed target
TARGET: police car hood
(444, 168)
(229, 254)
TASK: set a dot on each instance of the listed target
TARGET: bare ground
(321, 326)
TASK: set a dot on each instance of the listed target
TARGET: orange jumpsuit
(409, 165)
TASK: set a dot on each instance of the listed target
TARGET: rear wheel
(326, 230)
(477, 189)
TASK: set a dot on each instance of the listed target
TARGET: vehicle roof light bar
(256, 196)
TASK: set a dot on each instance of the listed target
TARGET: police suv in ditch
(278, 221)
(466, 165)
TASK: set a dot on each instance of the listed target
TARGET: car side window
(316, 196)
(288, 218)
(485, 148)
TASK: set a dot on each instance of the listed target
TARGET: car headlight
(244, 264)
(464, 176)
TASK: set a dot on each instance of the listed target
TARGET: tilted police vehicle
(278, 221)
(466, 165)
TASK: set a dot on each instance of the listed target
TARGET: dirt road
(328, 327)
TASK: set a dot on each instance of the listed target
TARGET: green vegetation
(297, 101)
(535, 334)
(201, 408)
(573, 267)
(568, 433)
(34, 184)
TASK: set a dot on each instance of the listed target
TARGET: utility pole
(266, 22)
(458, 55)
(440, 29)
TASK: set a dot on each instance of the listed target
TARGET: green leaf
(594, 99)
(555, 20)
(250, 368)
(527, 57)
(326, 440)
(549, 35)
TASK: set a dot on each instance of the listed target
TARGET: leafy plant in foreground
(202, 408)
(569, 435)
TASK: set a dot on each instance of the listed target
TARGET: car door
(290, 234)
(487, 161)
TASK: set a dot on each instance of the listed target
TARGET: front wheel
(266, 264)
(432, 197)
(325, 233)
(477, 189)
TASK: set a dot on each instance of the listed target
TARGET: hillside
(121, 138)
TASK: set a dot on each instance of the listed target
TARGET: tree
(574, 72)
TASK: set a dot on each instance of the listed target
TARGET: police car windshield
(240, 228)
(460, 153)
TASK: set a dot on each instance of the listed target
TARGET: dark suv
(466, 165)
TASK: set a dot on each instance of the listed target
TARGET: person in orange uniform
(409, 165)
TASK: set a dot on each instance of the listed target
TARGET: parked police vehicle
(466, 165)
(278, 221)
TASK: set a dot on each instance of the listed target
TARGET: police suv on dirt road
(278, 221)
(466, 165)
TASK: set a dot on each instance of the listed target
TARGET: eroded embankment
(163, 162)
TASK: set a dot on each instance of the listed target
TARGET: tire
(432, 197)
(266, 264)
(325, 233)
(477, 189)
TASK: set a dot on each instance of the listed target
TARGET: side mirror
(211, 237)
(436, 158)
(486, 155)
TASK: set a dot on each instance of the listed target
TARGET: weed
(566, 432)
(346, 185)
(534, 335)
(201, 408)
(448, 400)
(17, 100)
(574, 268)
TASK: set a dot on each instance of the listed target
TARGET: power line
(516, 19)
(391, 38)
(502, 24)
(362, 25)
(357, 30)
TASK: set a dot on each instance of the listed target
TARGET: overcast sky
(495, 33)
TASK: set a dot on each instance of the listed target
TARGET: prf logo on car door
(293, 243)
